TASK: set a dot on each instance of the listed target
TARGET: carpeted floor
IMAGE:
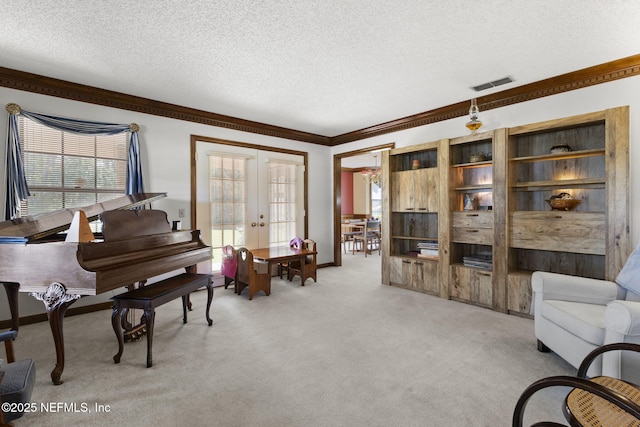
(345, 351)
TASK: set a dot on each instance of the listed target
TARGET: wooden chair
(229, 266)
(284, 265)
(254, 275)
(349, 231)
(597, 401)
(370, 238)
(16, 378)
(306, 269)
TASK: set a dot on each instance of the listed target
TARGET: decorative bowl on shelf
(559, 204)
(479, 157)
(560, 148)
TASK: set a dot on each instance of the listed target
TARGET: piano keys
(136, 245)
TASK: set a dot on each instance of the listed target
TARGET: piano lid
(45, 224)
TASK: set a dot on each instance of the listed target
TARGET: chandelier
(373, 175)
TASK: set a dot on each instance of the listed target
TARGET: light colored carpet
(345, 351)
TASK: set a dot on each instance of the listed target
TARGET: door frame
(303, 154)
(337, 194)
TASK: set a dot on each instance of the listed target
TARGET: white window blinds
(68, 170)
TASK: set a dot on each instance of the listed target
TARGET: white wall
(361, 195)
(166, 168)
(595, 98)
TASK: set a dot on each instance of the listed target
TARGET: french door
(247, 197)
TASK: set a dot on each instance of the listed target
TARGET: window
(227, 189)
(282, 202)
(376, 201)
(67, 170)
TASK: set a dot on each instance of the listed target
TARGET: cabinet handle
(484, 274)
(472, 214)
(409, 209)
(406, 261)
(554, 217)
(473, 231)
(422, 209)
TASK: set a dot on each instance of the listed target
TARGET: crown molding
(36, 83)
(603, 73)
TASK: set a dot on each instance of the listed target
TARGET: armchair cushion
(583, 320)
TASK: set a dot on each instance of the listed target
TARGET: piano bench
(154, 295)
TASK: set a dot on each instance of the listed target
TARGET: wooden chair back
(308, 268)
(249, 273)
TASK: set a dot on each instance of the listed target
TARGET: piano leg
(56, 301)
(209, 298)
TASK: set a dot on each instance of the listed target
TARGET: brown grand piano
(137, 245)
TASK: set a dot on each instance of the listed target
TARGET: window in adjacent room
(68, 170)
(376, 201)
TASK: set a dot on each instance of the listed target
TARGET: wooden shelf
(429, 239)
(475, 187)
(560, 156)
(565, 183)
(483, 164)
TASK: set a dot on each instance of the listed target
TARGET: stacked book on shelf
(478, 261)
(428, 250)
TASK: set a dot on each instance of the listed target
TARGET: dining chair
(252, 274)
(598, 401)
(370, 237)
(17, 378)
(349, 231)
(308, 267)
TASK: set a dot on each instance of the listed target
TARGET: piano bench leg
(116, 322)
(150, 315)
(185, 304)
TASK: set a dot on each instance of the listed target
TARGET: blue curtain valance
(17, 188)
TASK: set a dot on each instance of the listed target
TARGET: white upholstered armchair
(574, 315)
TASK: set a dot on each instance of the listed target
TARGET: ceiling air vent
(494, 83)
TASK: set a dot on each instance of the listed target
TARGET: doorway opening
(367, 155)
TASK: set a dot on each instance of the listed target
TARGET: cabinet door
(415, 190)
(402, 194)
(425, 276)
(519, 293)
(425, 186)
(471, 285)
(401, 271)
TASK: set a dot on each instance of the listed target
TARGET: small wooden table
(283, 254)
(280, 254)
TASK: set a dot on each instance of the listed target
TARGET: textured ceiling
(327, 67)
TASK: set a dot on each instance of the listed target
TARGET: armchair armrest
(574, 288)
(623, 317)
